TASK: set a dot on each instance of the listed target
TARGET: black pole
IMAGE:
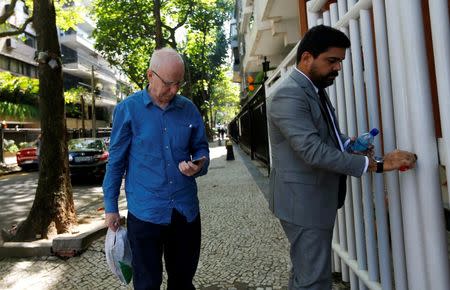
(2, 159)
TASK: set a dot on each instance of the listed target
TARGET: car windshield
(85, 145)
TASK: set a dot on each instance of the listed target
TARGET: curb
(65, 246)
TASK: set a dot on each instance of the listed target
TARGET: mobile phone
(197, 161)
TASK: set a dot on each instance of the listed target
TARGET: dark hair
(319, 39)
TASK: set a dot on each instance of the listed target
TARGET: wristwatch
(380, 164)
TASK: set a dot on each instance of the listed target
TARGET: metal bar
(353, 13)
(424, 141)
(363, 275)
(374, 121)
(341, 114)
(440, 32)
(352, 183)
(414, 240)
(312, 16)
(316, 5)
(384, 76)
(361, 122)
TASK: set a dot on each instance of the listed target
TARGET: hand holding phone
(198, 160)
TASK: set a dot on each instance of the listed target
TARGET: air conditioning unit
(11, 43)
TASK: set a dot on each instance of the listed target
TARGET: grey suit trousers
(310, 255)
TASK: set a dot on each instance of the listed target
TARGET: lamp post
(266, 68)
(2, 126)
(94, 130)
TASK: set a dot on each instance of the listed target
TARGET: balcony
(273, 31)
(77, 41)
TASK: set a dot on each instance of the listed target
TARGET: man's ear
(307, 58)
(306, 61)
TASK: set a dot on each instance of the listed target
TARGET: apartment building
(82, 65)
(393, 231)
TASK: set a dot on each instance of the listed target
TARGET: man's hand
(190, 168)
(396, 160)
(399, 160)
(112, 220)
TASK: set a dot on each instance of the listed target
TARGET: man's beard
(324, 81)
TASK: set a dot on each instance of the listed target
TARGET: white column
(360, 101)
(440, 32)
(351, 130)
(424, 140)
(384, 76)
(374, 121)
(414, 239)
(341, 114)
(312, 17)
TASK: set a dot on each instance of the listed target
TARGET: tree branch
(19, 30)
(183, 21)
(9, 12)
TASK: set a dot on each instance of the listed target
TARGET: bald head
(165, 56)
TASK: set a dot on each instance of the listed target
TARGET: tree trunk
(53, 210)
(159, 39)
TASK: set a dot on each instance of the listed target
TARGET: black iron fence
(249, 127)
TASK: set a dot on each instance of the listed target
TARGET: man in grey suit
(309, 163)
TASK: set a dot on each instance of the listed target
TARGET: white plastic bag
(118, 254)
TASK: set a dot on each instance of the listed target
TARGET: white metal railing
(390, 233)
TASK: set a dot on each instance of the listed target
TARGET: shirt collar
(147, 99)
(315, 88)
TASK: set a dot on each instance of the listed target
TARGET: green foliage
(125, 33)
(19, 96)
(74, 95)
(20, 89)
(12, 149)
(19, 111)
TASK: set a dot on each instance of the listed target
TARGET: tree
(53, 210)
(206, 52)
(127, 33)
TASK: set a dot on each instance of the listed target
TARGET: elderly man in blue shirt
(158, 142)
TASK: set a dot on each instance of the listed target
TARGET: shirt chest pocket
(182, 135)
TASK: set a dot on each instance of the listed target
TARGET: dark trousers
(180, 243)
(310, 256)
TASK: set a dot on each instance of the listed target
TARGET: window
(30, 40)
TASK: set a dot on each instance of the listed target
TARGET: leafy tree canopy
(126, 32)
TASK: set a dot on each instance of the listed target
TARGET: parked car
(27, 157)
(88, 157)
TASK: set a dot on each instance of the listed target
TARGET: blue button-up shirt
(147, 144)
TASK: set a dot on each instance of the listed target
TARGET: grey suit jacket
(306, 160)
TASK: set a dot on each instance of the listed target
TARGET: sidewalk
(243, 245)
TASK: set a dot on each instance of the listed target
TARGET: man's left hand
(189, 168)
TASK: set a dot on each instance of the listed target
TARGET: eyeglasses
(179, 84)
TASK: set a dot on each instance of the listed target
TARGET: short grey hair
(160, 55)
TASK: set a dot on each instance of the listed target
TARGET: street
(17, 194)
